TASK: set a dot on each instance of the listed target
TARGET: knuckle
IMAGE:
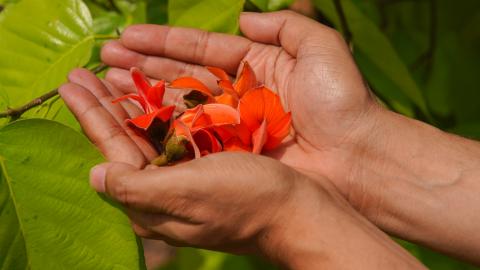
(288, 13)
(201, 46)
(121, 190)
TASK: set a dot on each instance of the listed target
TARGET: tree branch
(343, 21)
(15, 113)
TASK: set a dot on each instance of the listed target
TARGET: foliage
(420, 57)
(50, 217)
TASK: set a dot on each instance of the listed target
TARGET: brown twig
(343, 21)
(15, 113)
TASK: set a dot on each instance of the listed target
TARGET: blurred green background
(421, 58)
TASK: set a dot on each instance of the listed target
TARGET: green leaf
(40, 42)
(271, 5)
(157, 11)
(51, 218)
(391, 76)
(210, 15)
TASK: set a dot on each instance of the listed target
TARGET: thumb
(111, 177)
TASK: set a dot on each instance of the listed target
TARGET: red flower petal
(134, 97)
(206, 142)
(227, 87)
(182, 130)
(227, 99)
(246, 80)
(145, 121)
(277, 132)
(261, 105)
(219, 73)
(155, 95)
(141, 82)
(191, 83)
(235, 145)
(259, 138)
(210, 115)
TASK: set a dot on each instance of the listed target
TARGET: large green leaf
(40, 42)
(382, 66)
(51, 218)
(271, 5)
(210, 15)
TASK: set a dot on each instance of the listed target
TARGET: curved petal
(277, 132)
(246, 80)
(182, 130)
(219, 73)
(141, 82)
(259, 138)
(165, 113)
(235, 145)
(206, 142)
(191, 83)
(227, 87)
(227, 99)
(211, 115)
(155, 95)
(259, 104)
(134, 97)
(145, 121)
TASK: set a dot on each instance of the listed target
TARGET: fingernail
(97, 178)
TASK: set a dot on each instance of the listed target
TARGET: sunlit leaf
(51, 218)
(40, 42)
(391, 76)
(210, 15)
(271, 5)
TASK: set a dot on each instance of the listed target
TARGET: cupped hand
(308, 64)
(245, 203)
(90, 100)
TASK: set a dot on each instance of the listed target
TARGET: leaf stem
(15, 113)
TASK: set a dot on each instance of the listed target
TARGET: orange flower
(262, 113)
(200, 125)
(150, 98)
(232, 92)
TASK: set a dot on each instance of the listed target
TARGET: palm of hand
(308, 64)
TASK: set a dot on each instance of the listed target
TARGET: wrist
(408, 178)
(319, 230)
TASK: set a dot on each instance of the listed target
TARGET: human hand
(90, 100)
(307, 63)
(245, 203)
(390, 168)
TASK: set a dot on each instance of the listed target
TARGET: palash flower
(232, 92)
(262, 113)
(200, 125)
(150, 98)
(244, 117)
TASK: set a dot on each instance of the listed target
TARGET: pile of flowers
(246, 116)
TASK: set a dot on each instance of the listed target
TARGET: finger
(187, 45)
(167, 228)
(99, 125)
(121, 80)
(284, 28)
(89, 81)
(167, 190)
(160, 68)
(133, 110)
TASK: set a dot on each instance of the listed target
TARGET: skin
(410, 179)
